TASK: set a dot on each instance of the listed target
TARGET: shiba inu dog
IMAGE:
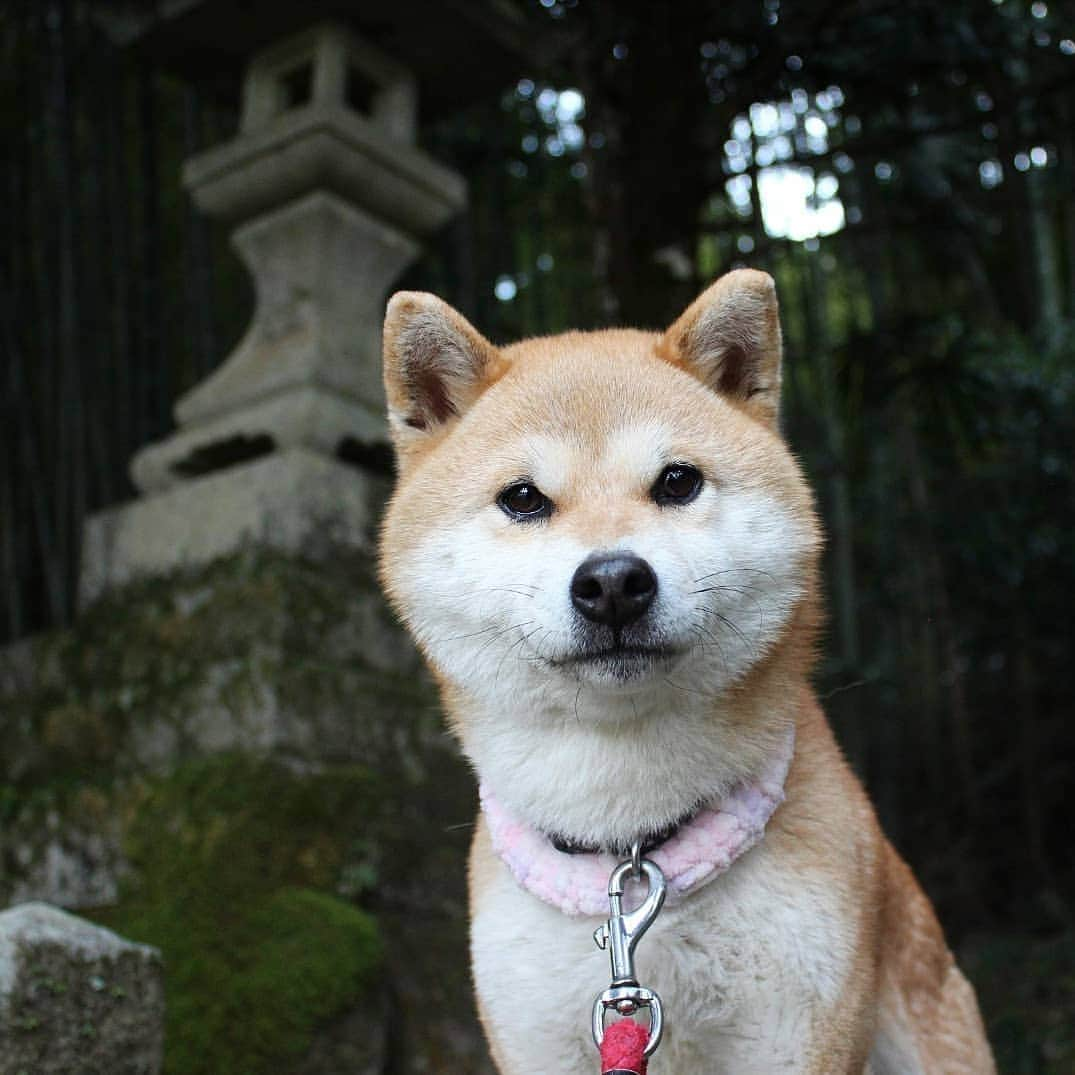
(609, 558)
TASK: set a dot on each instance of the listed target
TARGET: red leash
(622, 1051)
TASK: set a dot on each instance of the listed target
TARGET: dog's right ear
(435, 365)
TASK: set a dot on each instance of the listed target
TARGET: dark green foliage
(236, 862)
(1027, 987)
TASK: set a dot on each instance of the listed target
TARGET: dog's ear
(435, 365)
(729, 338)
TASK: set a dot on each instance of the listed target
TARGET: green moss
(236, 867)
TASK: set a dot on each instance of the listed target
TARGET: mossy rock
(138, 745)
(257, 651)
(237, 871)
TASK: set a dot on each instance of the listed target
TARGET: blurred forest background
(905, 169)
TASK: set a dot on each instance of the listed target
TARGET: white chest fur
(742, 967)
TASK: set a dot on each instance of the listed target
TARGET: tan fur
(717, 370)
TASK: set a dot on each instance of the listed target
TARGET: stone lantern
(327, 198)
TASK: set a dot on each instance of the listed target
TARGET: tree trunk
(199, 266)
(155, 403)
(1050, 308)
(947, 663)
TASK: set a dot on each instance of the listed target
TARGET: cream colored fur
(817, 952)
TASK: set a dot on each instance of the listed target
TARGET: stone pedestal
(328, 199)
(296, 501)
(307, 372)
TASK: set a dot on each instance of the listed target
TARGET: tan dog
(609, 558)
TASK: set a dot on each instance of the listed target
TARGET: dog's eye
(524, 501)
(679, 483)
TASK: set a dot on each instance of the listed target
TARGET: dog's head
(591, 521)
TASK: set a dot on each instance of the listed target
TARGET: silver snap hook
(620, 934)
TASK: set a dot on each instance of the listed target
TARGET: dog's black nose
(613, 588)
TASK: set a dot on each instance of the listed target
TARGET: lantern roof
(458, 50)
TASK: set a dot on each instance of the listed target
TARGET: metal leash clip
(620, 934)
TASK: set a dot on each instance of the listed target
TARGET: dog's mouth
(620, 661)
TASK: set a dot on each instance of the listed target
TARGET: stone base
(294, 501)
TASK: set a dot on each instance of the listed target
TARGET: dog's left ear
(729, 338)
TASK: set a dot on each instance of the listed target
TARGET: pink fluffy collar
(701, 850)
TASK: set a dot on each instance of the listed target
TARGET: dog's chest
(740, 967)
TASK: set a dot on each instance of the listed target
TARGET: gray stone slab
(295, 501)
(76, 999)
